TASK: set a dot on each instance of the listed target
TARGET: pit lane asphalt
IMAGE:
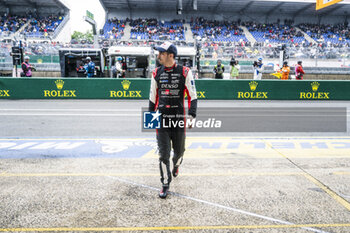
(110, 118)
(237, 192)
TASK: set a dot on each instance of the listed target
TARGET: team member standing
(235, 67)
(27, 68)
(219, 70)
(285, 71)
(170, 82)
(258, 69)
(118, 67)
(299, 71)
(90, 68)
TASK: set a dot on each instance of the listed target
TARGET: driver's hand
(190, 118)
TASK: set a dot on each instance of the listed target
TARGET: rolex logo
(252, 94)
(315, 86)
(253, 85)
(59, 84)
(60, 93)
(126, 84)
(315, 94)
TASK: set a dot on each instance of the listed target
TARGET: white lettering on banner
(4, 145)
(57, 146)
(24, 145)
(209, 123)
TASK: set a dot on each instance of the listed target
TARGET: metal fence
(47, 52)
(311, 56)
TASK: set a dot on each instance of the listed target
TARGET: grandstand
(35, 19)
(245, 30)
(220, 29)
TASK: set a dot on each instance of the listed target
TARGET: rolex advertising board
(133, 88)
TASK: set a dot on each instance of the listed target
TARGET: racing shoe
(164, 191)
(175, 171)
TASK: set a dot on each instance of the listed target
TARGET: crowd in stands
(113, 29)
(275, 33)
(205, 30)
(328, 34)
(11, 23)
(218, 39)
(38, 27)
(42, 26)
(143, 29)
(212, 30)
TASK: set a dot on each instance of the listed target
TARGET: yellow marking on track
(149, 174)
(174, 228)
(330, 192)
(341, 173)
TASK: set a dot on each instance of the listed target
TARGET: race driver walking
(169, 85)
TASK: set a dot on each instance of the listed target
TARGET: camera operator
(235, 67)
(219, 70)
(258, 69)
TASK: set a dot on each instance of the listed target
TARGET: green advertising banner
(81, 88)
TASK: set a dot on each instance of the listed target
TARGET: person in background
(285, 71)
(258, 69)
(117, 69)
(81, 70)
(90, 68)
(124, 67)
(27, 68)
(219, 70)
(299, 71)
(235, 67)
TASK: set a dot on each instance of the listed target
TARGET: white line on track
(73, 110)
(217, 205)
(344, 196)
(69, 114)
(139, 109)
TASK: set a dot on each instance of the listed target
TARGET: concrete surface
(261, 185)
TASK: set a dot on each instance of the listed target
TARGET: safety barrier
(75, 88)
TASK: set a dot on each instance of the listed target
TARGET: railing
(209, 53)
(310, 56)
(61, 26)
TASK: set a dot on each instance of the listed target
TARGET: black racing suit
(168, 89)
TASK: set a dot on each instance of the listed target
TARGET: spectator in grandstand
(258, 69)
(153, 29)
(299, 71)
(219, 70)
(207, 30)
(42, 26)
(89, 68)
(285, 71)
(11, 23)
(235, 67)
(27, 68)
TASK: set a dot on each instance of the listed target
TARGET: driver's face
(163, 57)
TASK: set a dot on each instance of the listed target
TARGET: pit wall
(75, 88)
